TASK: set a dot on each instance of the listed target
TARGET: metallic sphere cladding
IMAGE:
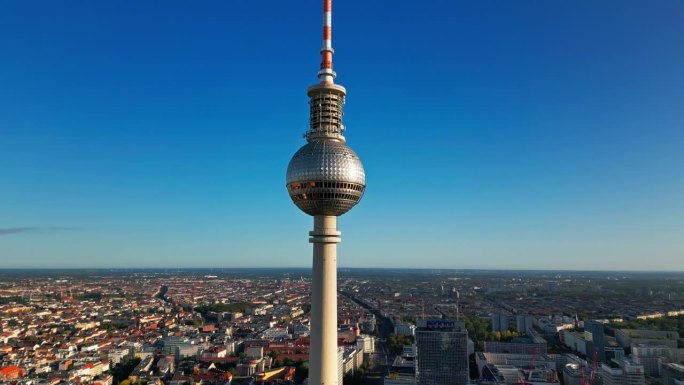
(325, 177)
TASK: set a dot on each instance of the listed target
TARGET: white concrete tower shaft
(323, 368)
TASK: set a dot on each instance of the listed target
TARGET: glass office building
(442, 353)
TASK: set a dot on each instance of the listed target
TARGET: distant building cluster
(166, 329)
(176, 329)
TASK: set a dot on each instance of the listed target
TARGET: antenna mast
(326, 75)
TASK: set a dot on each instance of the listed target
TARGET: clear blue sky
(495, 134)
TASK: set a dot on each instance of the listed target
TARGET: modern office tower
(499, 322)
(598, 340)
(442, 353)
(325, 179)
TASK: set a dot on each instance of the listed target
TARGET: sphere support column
(323, 350)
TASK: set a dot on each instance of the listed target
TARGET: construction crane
(534, 360)
(521, 379)
(592, 374)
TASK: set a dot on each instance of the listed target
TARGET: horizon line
(341, 268)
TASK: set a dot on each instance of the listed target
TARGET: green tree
(121, 371)
(301, 370)
(397, 342)
(479, 330)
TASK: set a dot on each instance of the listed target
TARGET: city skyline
(144, 136)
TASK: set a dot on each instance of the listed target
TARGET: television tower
(325, 179)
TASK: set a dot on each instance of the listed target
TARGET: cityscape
(253, 326)
(519, 185)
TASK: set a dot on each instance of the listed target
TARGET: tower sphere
(325, 177)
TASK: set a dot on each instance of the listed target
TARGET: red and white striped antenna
(326, 75)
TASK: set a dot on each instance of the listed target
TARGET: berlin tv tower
(325, 179)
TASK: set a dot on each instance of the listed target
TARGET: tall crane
(592, 373)
(532, 364)
(521, 380)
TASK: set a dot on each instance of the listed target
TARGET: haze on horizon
(495, 135)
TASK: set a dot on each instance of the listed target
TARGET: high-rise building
(442, 353)
(598, 340)
(499, 322)
(325, 179)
